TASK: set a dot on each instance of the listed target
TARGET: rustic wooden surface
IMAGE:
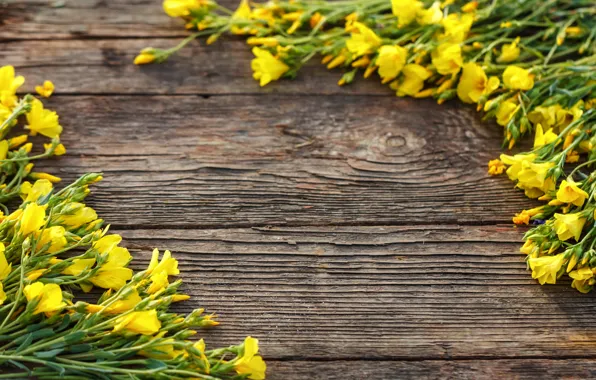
(355, 233)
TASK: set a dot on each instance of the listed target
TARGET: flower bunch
(53, 250)
(530, 65)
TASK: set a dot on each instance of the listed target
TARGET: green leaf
(156, 364)
(48, 354)
(74, 337)
(78, 348)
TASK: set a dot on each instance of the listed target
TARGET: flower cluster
(53, 250)
(530, 65)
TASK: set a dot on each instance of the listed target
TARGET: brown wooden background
(356, 234)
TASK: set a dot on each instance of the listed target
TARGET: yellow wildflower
(81, 215)
(34, 216)
(432, 15)
(474, 83)
(496, 167)
(447, 58)
(167, 264)
(569, 192)
(58, 151)
(569, 226)
(250, 363)
(580, 277)
(17, 140)
(506, 111)
(572, 157)
(146, 56)
(200, 346)
(456, 27)
(516, 78)
(243, 12)
(78, 267)
(35, 274)
(509, 52)
(541, 138)
(2, 294)
(413, 81)
(516, 162)
(48, 296)
(529, 247)
(140, 322)
(521, 218)
(53, 237)
(391, 61)
(362, 40)
(315, 19)
(9, 84)
(547, 116)
(46, 89)
(3, 147)
(5, 267)
(159, 281)
(266, 67)
(469, 7)
(181, 8)
(42, 121)
(534, 178)
(40, 189)
(47, 176)
(406, 11)
(546, 268)
(113, 273)
(125, 304)
(263, 41)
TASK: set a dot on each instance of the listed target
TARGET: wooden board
(356, 234)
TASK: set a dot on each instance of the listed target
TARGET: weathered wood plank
(375, 292)
(105, 67)
(429, 369)
(292, 160)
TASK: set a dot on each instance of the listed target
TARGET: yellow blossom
(413, 80)
(569, 226)
(140, 322)
(17, 140)
(78, 267)
(243, 12)
(580, 277)
(53, 237)
(113, 273)
(42, 121)
(533, 177)
(167, 264)
(515, 163)
(48, 296)
(5, 267)
(542, 138)
(40, 189)
(125, 304)
(362, 40)
(181, 8)
(509, 52)
(81, 215)
(507, 109)
(35, 274)
(46, 89)
(406, 11)
(546, 268)
(547, 116)
(159, 281)
(263, 41)
(529, 247)
(517, 78)
(456, 27)
(391, 60)
(2, 294)
(250, 363)
(266, 67)
(474, 83)
(432, 15)
(447, 58)
(59, 150)
(34, 216)
(144, 58)
(41, 175)
(496, 167)
(569, 192)
(470, 7)
(9, 84)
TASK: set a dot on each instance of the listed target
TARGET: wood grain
(385, 293)
(291, 160)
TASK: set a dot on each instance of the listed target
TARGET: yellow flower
(42, 121)
(144, 58)
(413, 81)
(9, 84)
(46, 89)
(200, 346)
(496, 167)
(53, 237)
(541, 138)
(362, 40)
(569, 192)
(447, 58)
(17, 140)
(113, 274)
(107, 243)
(35, 274)
(159, 281)
(406, 11)
(391, 61)
(250, 363)
(432, 15)
(2, 294)
(243, 12)
(517, 78)
(168, 264)
(509, 52)
(180, 8)
(78, 267)
(569, 226)
(266, 67)
(529, 247)
(515, 163)
(125, 304)
(534, 178)
(545, 268)
(580, 277)
(5, 267)
(48, 296)
(81, 215)
(547, 116)
(58, 151)
(456, 27)
(505, 112)
(474, 83)
(34, 216)
(140, 322)
(31, 193)
(470, 7)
